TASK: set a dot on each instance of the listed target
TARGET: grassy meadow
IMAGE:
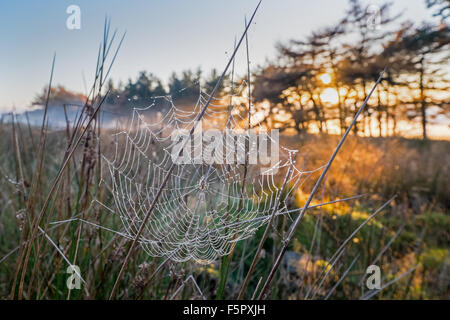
(409, 239)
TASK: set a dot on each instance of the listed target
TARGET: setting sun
(329, 95)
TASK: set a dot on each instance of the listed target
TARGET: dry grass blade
(172, 167)
(36, 221)
(341, 278)
(376, 291)
(184, 284)
(336, 256)
(316, 187)
(61, 253)
(21, 263)
(54, 187)
(265, 235)
(383, 250)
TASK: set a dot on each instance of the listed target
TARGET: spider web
(204, 209)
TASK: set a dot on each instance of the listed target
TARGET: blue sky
(162, 36)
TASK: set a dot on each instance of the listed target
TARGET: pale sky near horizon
(162, 37)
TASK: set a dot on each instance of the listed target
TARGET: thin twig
(316, 187)
(172, 167)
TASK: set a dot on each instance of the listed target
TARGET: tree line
(318, 82)
(183, 88)
(326, 76)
